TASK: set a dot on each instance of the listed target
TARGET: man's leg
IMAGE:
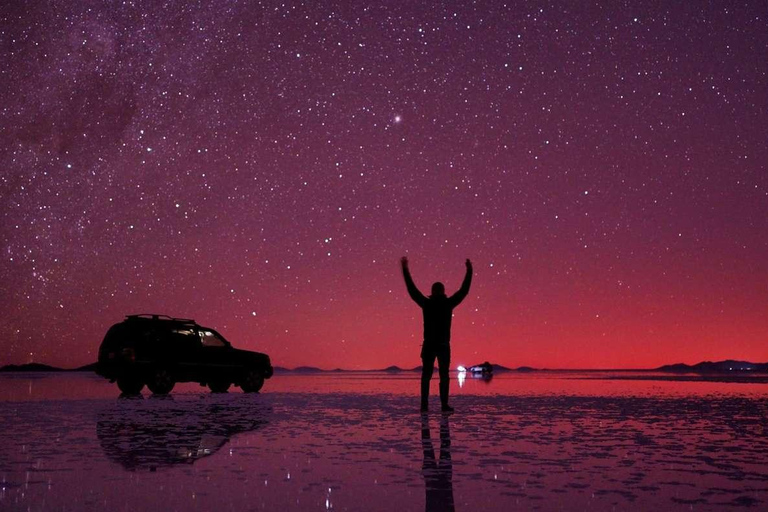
(444, 360)
(428, 366)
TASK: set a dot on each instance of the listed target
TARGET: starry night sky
(261, 167)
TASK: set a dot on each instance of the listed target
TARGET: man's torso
(437, 322)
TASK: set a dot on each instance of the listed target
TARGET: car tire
(161, 382)
(219, 387)
(130, 385)
(252, 382)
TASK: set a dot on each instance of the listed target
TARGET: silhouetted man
(438, 311)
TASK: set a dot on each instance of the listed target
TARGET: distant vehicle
(486, 368)
(158, 351)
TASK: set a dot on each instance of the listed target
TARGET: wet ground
(562, 441)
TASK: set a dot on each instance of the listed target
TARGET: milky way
(262, 167)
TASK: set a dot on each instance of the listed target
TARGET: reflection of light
(462, 375)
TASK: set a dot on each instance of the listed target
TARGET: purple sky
(262, 167)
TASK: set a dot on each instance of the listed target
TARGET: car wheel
(161, 382)
(252, 382)
(130, 385)
(219, 387)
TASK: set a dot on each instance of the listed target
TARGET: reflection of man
(438, 477)
(438, 312)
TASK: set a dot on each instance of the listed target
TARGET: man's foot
(446, 408)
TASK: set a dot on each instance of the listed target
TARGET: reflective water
(357, 442)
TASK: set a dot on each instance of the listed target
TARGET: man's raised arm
(460, 295)
(414, 292)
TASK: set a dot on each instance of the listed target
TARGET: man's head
(438, 290)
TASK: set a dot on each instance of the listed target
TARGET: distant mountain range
(38, 367)
(727, 366)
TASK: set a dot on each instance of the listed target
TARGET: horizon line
(410, 368)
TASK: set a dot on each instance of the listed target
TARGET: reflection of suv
(155, 434)
(160, 351)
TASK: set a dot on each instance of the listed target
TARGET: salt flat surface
(357, 442)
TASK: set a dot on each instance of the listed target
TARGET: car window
(210, 339)
(186, 337)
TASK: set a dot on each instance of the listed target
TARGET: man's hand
(404, 262)
(468, 264)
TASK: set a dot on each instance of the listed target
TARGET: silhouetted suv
(160, 351)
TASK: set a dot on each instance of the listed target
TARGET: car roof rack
(151, 316)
